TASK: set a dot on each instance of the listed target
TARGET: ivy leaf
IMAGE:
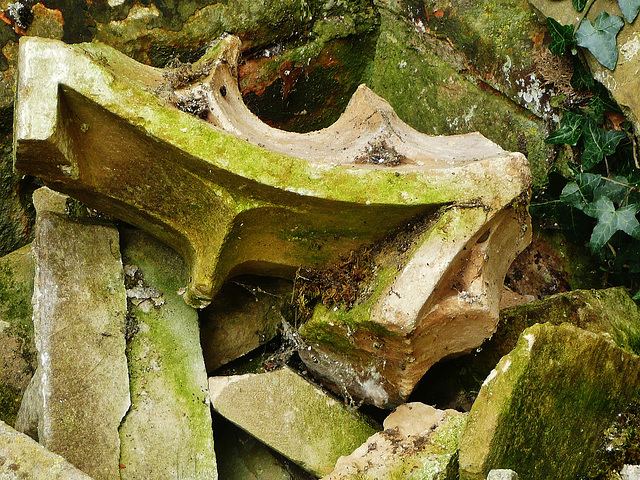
(598, 143)
(600, 38)
(569, 131)
(614, 191)
(561, 36)
(572, 195)
(579, 4)
(581, 78)
(629, 9)
(610, 221)
(588, 182)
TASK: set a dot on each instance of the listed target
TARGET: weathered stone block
(24, 459)
(611, 312)
(419, 442)
(170, 409)
(296, 418)
(543, 410)
(79, 313)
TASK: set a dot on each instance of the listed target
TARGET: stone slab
(242, 457)
(292, 416)
(21, 458)
(419, 442)
(543, 410)
(79, 313)
(167, 432)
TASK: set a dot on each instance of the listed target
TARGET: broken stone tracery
(241, 197)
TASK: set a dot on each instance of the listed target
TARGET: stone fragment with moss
(543, 410)
(419, 442)
(170, 409)
(611, 312)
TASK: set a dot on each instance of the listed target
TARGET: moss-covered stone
(612, 312)
(17, 347)
(426, 82)
(543, 410)
(168, 382)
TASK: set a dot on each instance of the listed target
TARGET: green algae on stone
(17, 347)
(543, 409)
(423, 79)
(170, 405)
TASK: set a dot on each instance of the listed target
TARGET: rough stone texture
(21, 458)
(17, 348)
(167, 432)
(243, 316)
(502, 474)
(630, 472)
(296, 419)
(459, 67)
(622, 82)
(581, 381)
(453, 384)
(79, 312)
(241, 457)
(418, 443)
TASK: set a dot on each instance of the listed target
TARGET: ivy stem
(585, 10)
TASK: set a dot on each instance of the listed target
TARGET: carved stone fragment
(234, 196)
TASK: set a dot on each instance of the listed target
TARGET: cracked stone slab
(296, 418)
(231, 194)
(167, 432)
(79, 312)
(24, 459)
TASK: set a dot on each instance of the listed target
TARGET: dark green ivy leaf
(579, 4)
(589, 183)
(629, 9)
(581, 78)
(561, 36)
(614, 189)
(600, 38)
(569, 131)
(610, 221)
(598, 143)
(572, 195)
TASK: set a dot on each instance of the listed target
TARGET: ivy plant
(600, 38)
(597, 200)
